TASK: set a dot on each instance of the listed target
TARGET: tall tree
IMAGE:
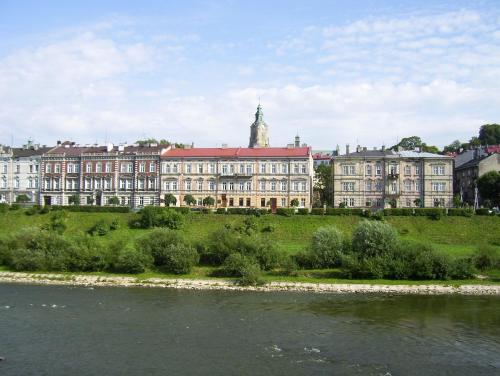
(489, 187)
(323, 183)
(453, 147)
(413, 142)
(489, 134)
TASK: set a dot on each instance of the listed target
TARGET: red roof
(238, 152)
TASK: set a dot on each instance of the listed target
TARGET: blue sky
(336, 72)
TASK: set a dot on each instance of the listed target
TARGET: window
(126, 167)
(248, 201)
(295, 186)
(408, 185)
(242, 168)
(296, 168)
(368, 185)
(88, 184)
(284, 168)
(303, 202)
(283, 202)
(48, 168)
(231, 186)
(249, 169)
(57, 184)
(4, 169)
(378, 169)
(70, 168)
(438, 186)
(408, 202)
(18, 169)
(211, 168)
(240, 201)
(107, 184)
(231, 201)
(273, 186)
(140, 184)
(224, 169)
(394, 187)
(122, 184)
(231, 169)
(368, 202)
(167, 186)
(283, 185)
(142, 168)
(224, 186)
(200, 168)
(393, 169)
(174, 186)
(304, 169)
(248, 185)
(417, 170)
(36, 182)
(175, 168)
(151, 184)
(129, 184)
(98, 167)
(108, 167)
(242, 186)
(188, 168)
(438, 170)
(16, 183)
(30, 182)
(188, 185)
(351, 202)
(262, 185)
(273, 168)
(438, 202)
(262, 168)
(152, 167)
(88, 168)
(303, 186)
(141, 200)
(348, 186)
(199, 201)
(348, 170)
(417, 185)
(263, 202)
(211, 185)
(57, 168)
(407, 170)
(200, 185)
(378, 186)
(97, 183)
(368, 170)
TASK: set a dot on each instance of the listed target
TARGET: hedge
(303, 211)
(435, 213)
(181, 209)
(344, 211)
(460, 212)
(92, 209)
(317, 211)
(484, 211)
(287, 212)
(406, 212)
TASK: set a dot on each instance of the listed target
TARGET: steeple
(258, 131)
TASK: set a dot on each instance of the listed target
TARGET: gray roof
(369, 153)
(420, 154)
(22, 152)
(394, 154)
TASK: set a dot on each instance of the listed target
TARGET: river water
(49, 330)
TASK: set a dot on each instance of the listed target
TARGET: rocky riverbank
(213, 284)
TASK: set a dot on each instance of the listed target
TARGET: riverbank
(213, 284)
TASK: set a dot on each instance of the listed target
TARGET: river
(56, 330)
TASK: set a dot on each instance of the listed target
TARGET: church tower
(258, 131)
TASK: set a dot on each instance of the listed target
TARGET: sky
(334, 72)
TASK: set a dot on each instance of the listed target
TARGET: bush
(398, 212)
(181, 209)
(287, 212)
(91, 209)
(460, 212)
(433, 213)
(4, 207)
(130, 261)
(462, 269)
(155, 216)
(302, 211)
(32, 210)
(221, 211)
(326, 248)
(85, 255)
(317, 211)
(344, 211)
(486, 257)
(373, 238)
(15, 207)
(243, 267)
(268, 228)
(100, 228)
(57, 222)
(484, 211)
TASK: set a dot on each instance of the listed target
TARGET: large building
(20, 172)
(239, 177)
(384, 178)
(466, 175)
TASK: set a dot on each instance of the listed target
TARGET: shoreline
(56, 279)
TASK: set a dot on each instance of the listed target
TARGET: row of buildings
(255, 176)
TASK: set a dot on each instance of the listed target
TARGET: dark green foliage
(221, 211)
(294, 202)
(100, 228)
(460, 212)
(433, 213)
(268, 228)
(189, 200)
(398, 212)
(155, 216)
(485, 211)
(343, 211)
(15, 207)
(4, 207)
(372, 238)
(324, 183)
(489, 134)
(85, 255)
(130, 261)
(245, 268)
(489, 187)
(302, 211)
(92, 209)
(287, 212)
(44, 210)
(317, 211)
(208, 201)
(170, 199)
(181, 209)
(74, 200)
(114, 201)
(57, 222)
(486, 257)
(35, 209)
(22, 198)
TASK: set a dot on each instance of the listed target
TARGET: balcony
(392, 175)
(235, 175)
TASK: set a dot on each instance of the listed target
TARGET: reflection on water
(103, 331)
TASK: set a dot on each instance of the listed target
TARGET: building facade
(20, 172)
(384, 178)
(92, 175)
(466, 176)
(239, 177)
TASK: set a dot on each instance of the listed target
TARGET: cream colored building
(385, 178)
(239, 177)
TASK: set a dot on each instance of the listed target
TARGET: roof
(22, 152)
(394, 154)
(475, 162)
(369, 153)
(420, 154)
(75, 151)
(237, 152)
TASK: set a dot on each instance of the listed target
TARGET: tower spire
(258, 130)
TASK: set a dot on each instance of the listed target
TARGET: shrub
(462, 269)
(155, 216)
(189, 200)
(221, 211)
(326, 247)
(372, 238)
(131, 261)
(4, 207)
(484, 211)
(170, 199)
(91, 208)
(181, 209)
(22, 198)
(268, 228)
(100, 228)
(433, 213)
(486, 257)
(460, 212)
(317, 211)
(343, 211)
(57, 222)
(287, 212)
(32, 210)
(398, 212)
(243, 267)
(302, 211)
(15, 207)
(86, 255)
(44, 210)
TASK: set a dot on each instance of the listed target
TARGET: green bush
(287, 212)
(100, 228)
(15, 207)
(4, 207)
(372, 238)
(32, 210)
(303, 211)
(242, 267)
(484, 211)
(131, 261)
(344, 211)
(326, 248)
(181, 209)
(462, 268)
(486, 257)
(155, 216)
(398, 212)
(317, 211)
(221, 211)
(85, 255)
(433, 213)
(92, 209)
(460, 212)
(57, 222)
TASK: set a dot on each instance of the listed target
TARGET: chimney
(358, 149)
(365, 148)
(59, 142)
(109, 147)
(347, 149)
(383, 147)
(121, 147)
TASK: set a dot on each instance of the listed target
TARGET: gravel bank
(211, 284)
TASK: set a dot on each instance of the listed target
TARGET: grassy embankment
(456, 236)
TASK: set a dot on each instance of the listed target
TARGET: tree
(413, 142)
(208, 201)
(294, 202)
(453, 147)
(418, 202)
(22, 199)
(475, 141)
(74, 200)
(114, 201)
(323, 183)
(189, 200)
(489, 187)
(489, 134)
(457, 202)
(170, 199)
